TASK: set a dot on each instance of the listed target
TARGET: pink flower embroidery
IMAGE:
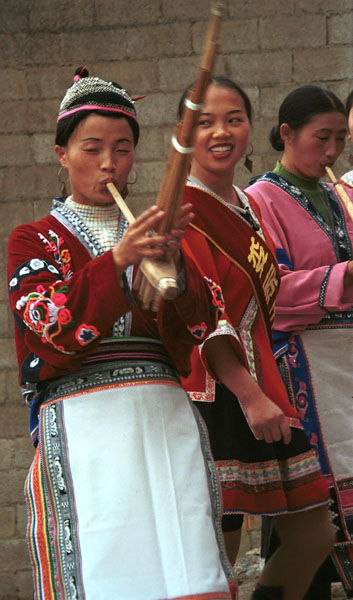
(64, 316)
(59, 299)
(302, 400)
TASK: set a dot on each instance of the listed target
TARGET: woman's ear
(61, 154)
(286, 133)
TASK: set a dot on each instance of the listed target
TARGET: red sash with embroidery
(243, 246)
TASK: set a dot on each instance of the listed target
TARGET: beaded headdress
(93, 93)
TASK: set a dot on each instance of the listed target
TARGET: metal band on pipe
(180, 148)
(192, 105)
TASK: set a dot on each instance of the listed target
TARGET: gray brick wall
(153, 47)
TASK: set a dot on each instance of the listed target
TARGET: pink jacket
(311, 272)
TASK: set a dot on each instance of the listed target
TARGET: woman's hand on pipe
(139, 240)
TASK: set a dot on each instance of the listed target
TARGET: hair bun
(80, 73)
(275, 138)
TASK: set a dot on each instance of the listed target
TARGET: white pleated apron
(330, 355)
(133, 493)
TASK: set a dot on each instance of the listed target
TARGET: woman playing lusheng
(264, 460)
(112, 511)
(313, 339)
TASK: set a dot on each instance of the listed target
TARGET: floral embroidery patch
(198, 331)
(217, 297)
(44, 312)
(86, 334)
(54, 245)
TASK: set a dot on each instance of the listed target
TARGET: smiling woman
(264, 461)
(221, 137)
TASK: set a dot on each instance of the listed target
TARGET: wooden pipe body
(157, 279)
(172, 188)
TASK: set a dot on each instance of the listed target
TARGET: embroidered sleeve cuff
(333, 295)
(223, 328)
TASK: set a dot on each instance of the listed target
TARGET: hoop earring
(248, 163)
(134, 181)
(63, 191)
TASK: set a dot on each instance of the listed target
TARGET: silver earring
(248, 162)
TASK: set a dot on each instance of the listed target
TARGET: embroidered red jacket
(65, 296)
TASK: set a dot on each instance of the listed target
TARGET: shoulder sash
(241, 244)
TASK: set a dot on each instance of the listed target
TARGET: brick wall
(153, 47)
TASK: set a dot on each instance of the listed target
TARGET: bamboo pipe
(341, 192)
(121, 203)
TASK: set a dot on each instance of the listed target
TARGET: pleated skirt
(258, 478)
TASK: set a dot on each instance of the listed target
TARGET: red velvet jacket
(65, 296)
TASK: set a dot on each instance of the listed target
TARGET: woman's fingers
(141, 240)
(183, 217)
(148, 220)
(286, 432)
(274, 432)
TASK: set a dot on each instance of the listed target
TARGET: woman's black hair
(300, 106)
(349, 103)
(223, 82)
(67, 125)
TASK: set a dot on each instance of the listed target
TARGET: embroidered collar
(244, 211)
(104, 214)
(102, 221)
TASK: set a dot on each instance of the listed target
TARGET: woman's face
(222, 133)
(316, 145)
(100, 150)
